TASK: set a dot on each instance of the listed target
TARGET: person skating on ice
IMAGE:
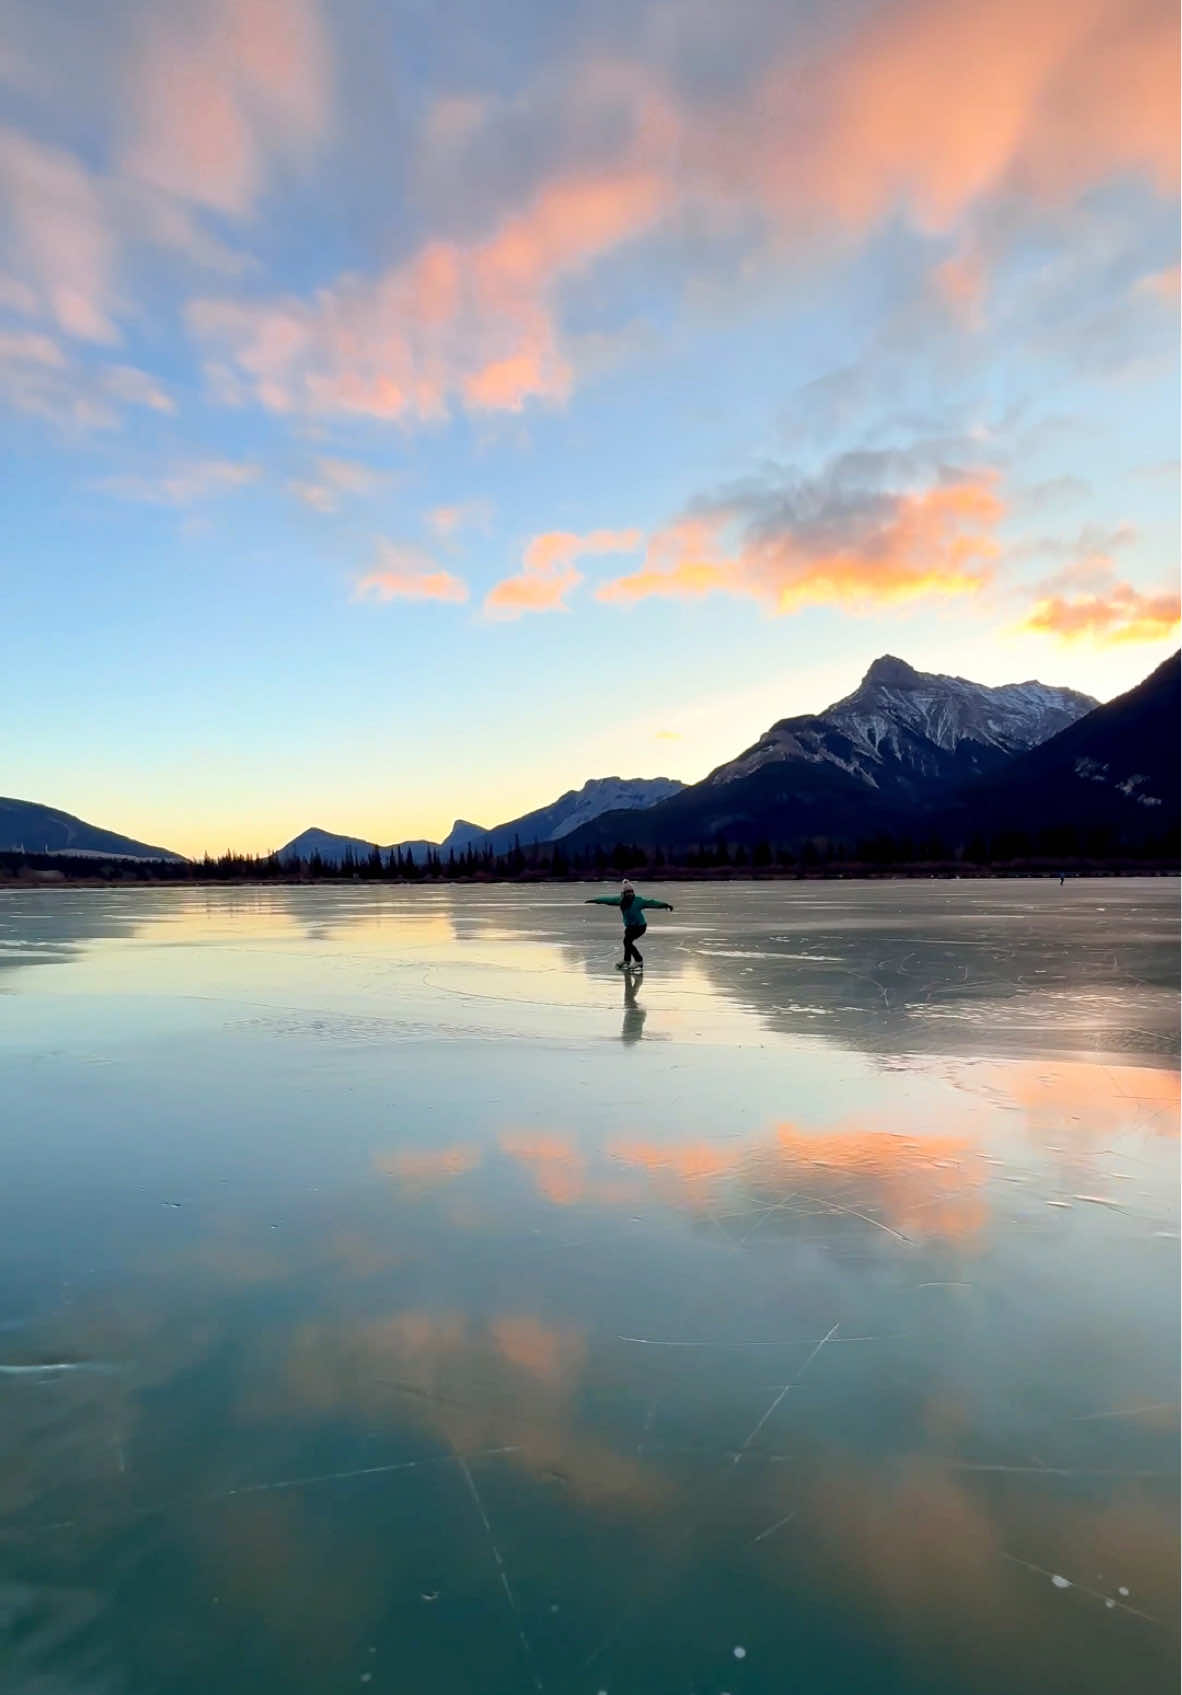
(632, 909)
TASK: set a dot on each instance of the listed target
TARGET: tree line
(1011, 850)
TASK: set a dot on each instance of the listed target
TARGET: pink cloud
(61, 236)
(27, 347)
(473, 323)
(929, 107)
(408, 573)
(219, 86)
(548, 572)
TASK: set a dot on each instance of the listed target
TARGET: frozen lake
(393, 1296)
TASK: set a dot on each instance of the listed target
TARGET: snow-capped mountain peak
(902, 726)
(611, 794)
(893, 697)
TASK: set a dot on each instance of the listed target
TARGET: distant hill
(901, 741)
(28, 827)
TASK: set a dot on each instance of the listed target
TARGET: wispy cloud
(333, 478)
(41, 377)
(448, 521)
(183, 484)
(548, 571)
(29, 347)
(36, 379)
(1050, 493)
(404, 572)
(137, 388)
(1162, 285)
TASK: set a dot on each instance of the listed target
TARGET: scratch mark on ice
(501, 1572)
(772, 1528)
(782, 1393)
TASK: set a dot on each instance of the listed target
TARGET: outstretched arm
(603, 900)
(660, 905)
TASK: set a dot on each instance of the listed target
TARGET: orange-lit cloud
(1119, 615)
(429, 1165)
(934, 104)
(929, 1188)
(219, 85)
(1061, 1099)
(471, 323)
(195, 479)
(558, 1169)
(929, 107)
(408, 573)
(554, 1356)
(548, 572)
(466, 1384)
(1087, 602)
(875, 549)
(925, 1190)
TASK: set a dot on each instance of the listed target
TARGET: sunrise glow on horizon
(411, 412)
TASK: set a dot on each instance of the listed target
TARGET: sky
(412, 408)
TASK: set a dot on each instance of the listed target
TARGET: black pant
(631, 951)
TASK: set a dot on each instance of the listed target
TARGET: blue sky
(413, 411)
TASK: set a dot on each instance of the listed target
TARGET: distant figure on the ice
(632, 909)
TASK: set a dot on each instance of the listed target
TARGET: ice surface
(368, 1247)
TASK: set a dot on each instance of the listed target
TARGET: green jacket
(635, 910)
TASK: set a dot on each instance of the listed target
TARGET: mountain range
(547, 824)
(908, 753)
(868, 763)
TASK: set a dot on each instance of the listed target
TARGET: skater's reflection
(634, 1013)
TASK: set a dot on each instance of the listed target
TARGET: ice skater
(632, 909)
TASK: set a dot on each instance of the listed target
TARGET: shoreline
(127, 878)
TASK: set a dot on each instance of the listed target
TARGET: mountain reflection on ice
(371, 1311)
